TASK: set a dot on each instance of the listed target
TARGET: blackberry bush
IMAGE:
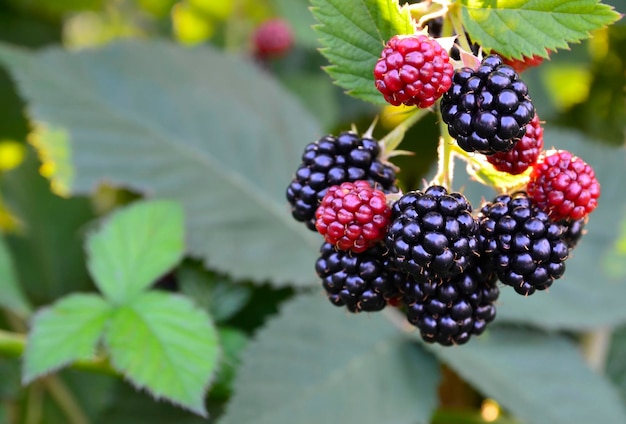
(487, 109)
(332, 161)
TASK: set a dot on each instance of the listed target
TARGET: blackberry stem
(445, 165)
(458, 28)
(391, 141)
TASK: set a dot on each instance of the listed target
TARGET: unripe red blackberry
(331, 161)
(353, 216)
(358, 281)
(487, 109)
(521, 244)
(524, 153)
(450, 311)
(564, 186)
(520, 65)
(273, 38)
(432, 233)
(413, 70)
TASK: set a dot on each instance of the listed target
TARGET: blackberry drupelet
(487, 109)
(358, 281)
(432, 233)
(450, 311)
(331, 161)
(521, 244)
(574, 230)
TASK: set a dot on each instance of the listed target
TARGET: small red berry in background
(413, 70)
(353, 216)
(524, 153)
(564, 186)
(520, 65)
(273, 38)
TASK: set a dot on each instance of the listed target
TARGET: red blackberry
(273, 38)
(331, 161)
(520, 65)
(358, 281)
(564, 186)
(353, 216)
(413, 70)
(521, 244)
(449, 311)
(487, 109)
(432, 234)
(524, 153)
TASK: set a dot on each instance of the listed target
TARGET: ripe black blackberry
(331, 161)
(521, 244)
(574, 230)
(450, 311)
(358, 281)
(487, 109)
(432, 233)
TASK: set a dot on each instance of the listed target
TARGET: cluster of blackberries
(424, 251)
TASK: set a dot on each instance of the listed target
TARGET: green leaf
(591, 292)
(541, 378)
(218, 295)
(616, 361)
(233, 342)
(169, 121)
(353, 33)
(314, 364)
(516, 28)
(11, 295)
(64, 332)
(163, 343)
(136, 245)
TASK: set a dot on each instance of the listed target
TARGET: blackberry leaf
(353, 33)
(516, 28)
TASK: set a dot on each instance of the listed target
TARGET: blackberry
(331, 161)
(563, 185)
(574, 230)
(413, 70)
(353, 216)
(521, 244)
(487, 109)
(358, 281)
(273, 38)
(432, 233)
(450, 311)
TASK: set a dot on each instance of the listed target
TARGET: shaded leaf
(135, 246)
(516, 28)
(168, 121)
(48, 250)
(11, 295)
(541, 378)
(327, 367)
(616, 361)
(163, 344)
(353, 33)
(64, 332)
